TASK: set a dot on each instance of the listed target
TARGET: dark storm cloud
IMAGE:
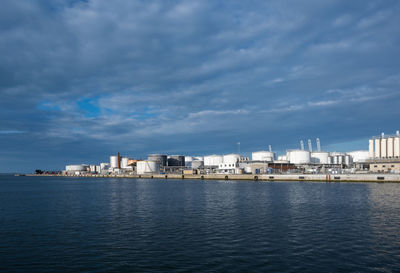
(82, 79)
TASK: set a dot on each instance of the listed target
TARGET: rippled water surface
(50, 224)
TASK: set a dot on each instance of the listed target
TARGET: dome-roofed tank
(231, 158)
(263, 156)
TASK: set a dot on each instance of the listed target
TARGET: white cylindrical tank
(377, 148)
(384, 148)
(335, 159)
(340, 159)
(124, 162)
(347, 160)
(114, 161)
(263, 156)
(299, 157)
(77, 168)
(371, 148)
(231, 158)
(390, 144)
(213, 160)
(320, 157)
(147, 167)
(282, 157)
(359, 156)
(330, 160)
(196, 164)
(188, 163)
(396, 147)
(188, 159)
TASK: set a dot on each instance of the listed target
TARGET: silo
(377, 147)
(330, 160)
(114, 161)
(161, 159)
(390, 151)
(371, 148)
(384, 148)
(396, 146)
(176, 160)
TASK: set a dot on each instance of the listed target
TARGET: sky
(81, 80)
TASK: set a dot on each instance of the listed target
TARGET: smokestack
(318, 145)
(119, 161)
(302, 145)
(309, 145)
(270, 148)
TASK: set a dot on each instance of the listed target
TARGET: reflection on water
(66, 224)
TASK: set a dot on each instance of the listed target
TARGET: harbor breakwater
(257, 177)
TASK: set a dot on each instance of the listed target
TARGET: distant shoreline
(390, 178)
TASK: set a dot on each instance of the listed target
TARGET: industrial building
(383, 155)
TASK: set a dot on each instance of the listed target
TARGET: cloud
(86, 78)
(8, 132)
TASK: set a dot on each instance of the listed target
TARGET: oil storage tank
(197, 164)
(77, 168)
(176, 160)
(320, 157)
(231, 158)
(299, 157)
(188, 161)
(147, 167)
(114, 161)
(359, 156)
(124, 162)
(263, 156)
(213, 160)
(160, 158)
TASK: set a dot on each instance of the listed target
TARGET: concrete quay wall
(264, 177)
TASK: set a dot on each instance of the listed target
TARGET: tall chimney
(118, 162)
